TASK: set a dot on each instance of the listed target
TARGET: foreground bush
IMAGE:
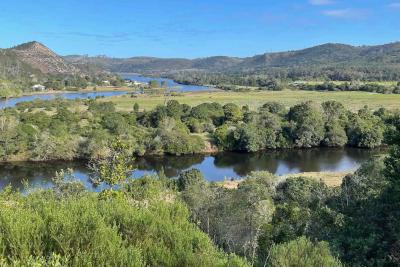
(302, 253)
(81, 229)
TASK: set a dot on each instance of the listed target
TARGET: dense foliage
(301, 253)
(153, 221)
(67, 226)
(335, 62)
(245, 82)
(60, 129)
(11, 86)
(354, 86)
(300, 221)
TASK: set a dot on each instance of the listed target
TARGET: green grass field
(254, 99)
(384, 83)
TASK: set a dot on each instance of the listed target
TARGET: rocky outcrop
(42, 58)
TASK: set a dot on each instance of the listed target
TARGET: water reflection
(11, 102)
(170, 83)
(295, 161)
(215, 167)
(171, 166)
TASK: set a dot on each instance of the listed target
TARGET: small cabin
(136, 83)
(38, 87)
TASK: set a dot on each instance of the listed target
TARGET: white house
(38, 87)
(136, 83)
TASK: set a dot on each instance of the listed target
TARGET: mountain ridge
(33, 57)
(321, 55)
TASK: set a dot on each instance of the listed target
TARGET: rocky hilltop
(42, 58)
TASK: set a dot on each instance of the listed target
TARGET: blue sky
(195, 28)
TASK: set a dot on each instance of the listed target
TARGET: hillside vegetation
(330, 61)
(32, 63)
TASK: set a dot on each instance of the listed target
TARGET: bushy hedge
(82, 229)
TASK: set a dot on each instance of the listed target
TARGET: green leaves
(45, 228)
(114, 169)
(302, 253)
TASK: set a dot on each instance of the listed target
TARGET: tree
(97, 107)
(223, 137)
(158, 115)
(333, 110)
(308, 128)
(232, 112)
(8, 134)
(365, 130)
(273, 107)
(271, 84)
(392, 204)
(208, 111)
(114, 169)
(174, 109)
(335, 134)
(136, 107)
(252, 138)
(192, 177)
(154, 84)
(302, 253)
(194, 125)
(115, 123)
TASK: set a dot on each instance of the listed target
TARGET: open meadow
(254, 99)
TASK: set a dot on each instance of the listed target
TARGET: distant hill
(29, 61)
(42, 58)
(335, 61)
(32, 63)
(329, 54)
(12, 66)
(328, 57)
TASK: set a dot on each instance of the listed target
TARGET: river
(11, 102)
(214, 167)
(172, 85)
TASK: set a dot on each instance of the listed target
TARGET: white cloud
(348, 13)
(321, 2)
(395, 5)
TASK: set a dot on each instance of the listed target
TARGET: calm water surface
(214, 167)
(11, 102)
(170, 83)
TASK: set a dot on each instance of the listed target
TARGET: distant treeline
(61, 82)
(365, 87)
(275, 80)
(14, 86)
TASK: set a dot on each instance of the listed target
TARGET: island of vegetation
(81, 129)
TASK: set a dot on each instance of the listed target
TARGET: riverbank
(329, 165)
(331, 179)
(90, 89)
